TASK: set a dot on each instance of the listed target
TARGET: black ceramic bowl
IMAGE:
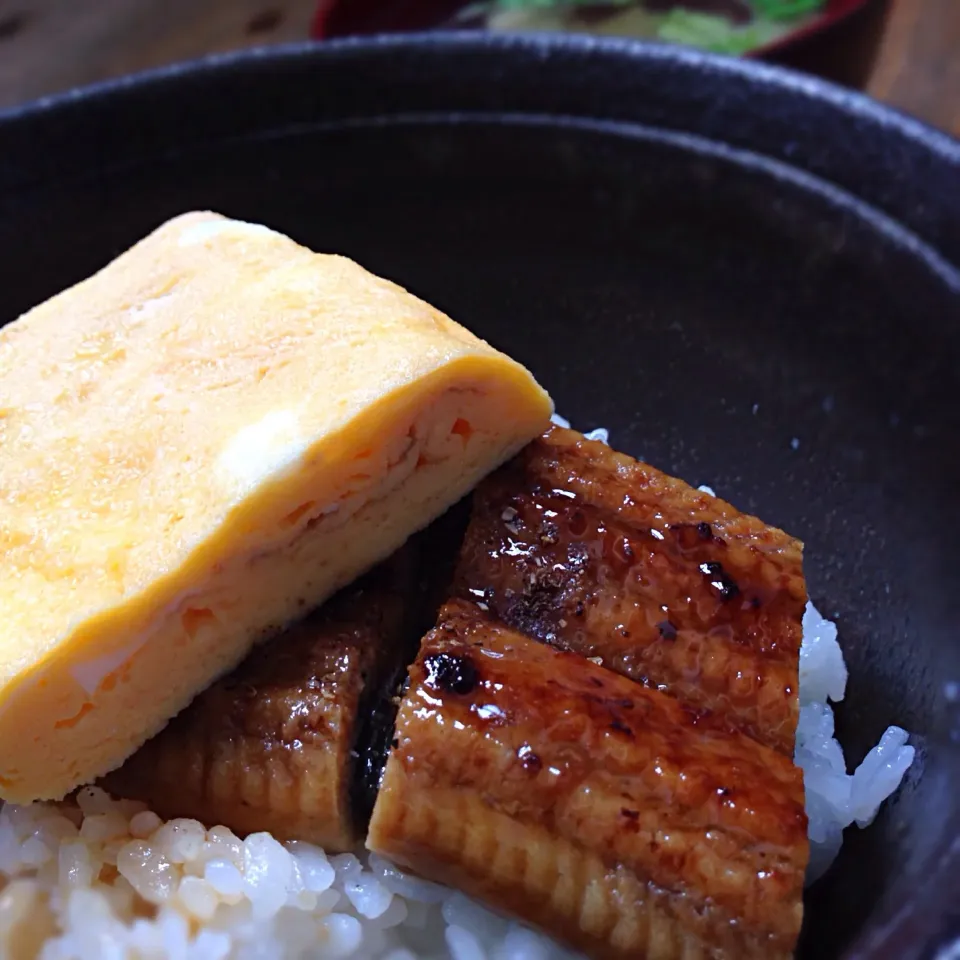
(751, 278)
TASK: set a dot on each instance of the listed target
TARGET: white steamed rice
(108, 880)
(834, 798)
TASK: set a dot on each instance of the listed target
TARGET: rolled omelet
(199, 443)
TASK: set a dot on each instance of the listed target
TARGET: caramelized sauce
(598, 554)
(705, 827)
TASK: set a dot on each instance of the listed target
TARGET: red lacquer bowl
(341, 18)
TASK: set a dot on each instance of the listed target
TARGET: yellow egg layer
(203, 440)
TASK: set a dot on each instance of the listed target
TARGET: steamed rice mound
(105, 880)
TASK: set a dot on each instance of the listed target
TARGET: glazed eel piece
(594, 552)
(595, 807)
(293, 741)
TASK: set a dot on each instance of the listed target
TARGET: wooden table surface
(904, 52)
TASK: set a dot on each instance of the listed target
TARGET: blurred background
(904, 52)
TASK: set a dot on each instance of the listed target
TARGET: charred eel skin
(599, 809)
(293, 740)
(594, 552)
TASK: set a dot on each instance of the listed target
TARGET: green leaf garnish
(786, 9)
(546, 4)
(715, 33)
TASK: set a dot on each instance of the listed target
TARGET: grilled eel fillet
(597, 553)
(289, 741)
(600, 809)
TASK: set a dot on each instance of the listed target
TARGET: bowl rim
(789, 80)
(926, 202)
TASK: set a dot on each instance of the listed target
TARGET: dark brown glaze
(293, 740)
(429, 564)
(597, 553)
(600, 809)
